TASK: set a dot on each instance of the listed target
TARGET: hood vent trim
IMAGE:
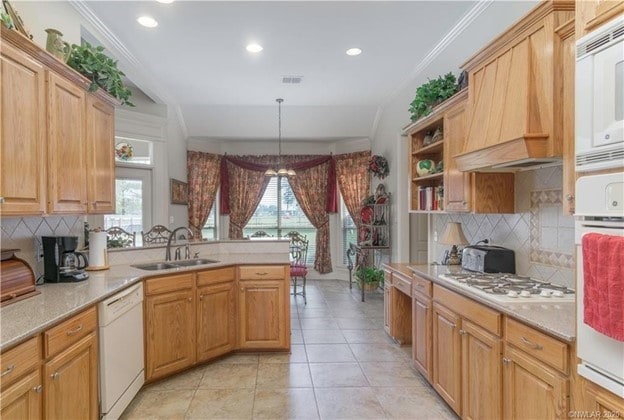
(518, 154)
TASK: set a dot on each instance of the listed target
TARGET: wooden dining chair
(298, 267)
(158, 234)
(120, 238)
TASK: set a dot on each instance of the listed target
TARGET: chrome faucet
(171, 237)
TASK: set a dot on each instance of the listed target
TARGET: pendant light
(281, 171)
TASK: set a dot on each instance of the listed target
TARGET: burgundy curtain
(241, 192)
(203, 173)
(310, 187)
(353, 181)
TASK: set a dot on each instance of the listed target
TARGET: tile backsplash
(25, 234)
(541, 236)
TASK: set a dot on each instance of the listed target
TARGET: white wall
(394, 115)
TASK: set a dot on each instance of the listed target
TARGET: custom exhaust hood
(518, 95)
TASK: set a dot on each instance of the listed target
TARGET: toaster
(489, 259)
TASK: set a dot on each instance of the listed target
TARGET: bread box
(17, 280)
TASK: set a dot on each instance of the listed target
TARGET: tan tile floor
(342, 366)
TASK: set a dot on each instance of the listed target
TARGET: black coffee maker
(61, 262)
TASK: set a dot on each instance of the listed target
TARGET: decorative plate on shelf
(367, 215)
(124, 151)
(365, 234)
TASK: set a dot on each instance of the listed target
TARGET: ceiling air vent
(292, 80)
(595, 41)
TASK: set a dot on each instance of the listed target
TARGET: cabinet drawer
(421, 285)
(19, 360)
(539, 345)
(260, 272)
(69, 332)
(481, 315)
(218, 275)
(169, 284)
(387, 278)
(402, 283)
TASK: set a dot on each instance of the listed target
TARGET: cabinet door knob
(55, 375)
(506, 360)
(8, 370)
(1, 200)
(201, 297)
(569, 197)
(38, 389)
(190, 299)
(242, 290)
(462, 332)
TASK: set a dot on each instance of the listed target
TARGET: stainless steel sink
(197, 261)
(154, 266)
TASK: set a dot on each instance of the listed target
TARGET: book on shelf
(429, 198)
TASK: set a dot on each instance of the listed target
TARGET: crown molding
(132, 66)
(464, 22)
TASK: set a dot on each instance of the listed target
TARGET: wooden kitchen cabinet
(387, 300)
(169, 324)
(22, 134)
(446, 349)
(216, 313)
(67, 165)
(71, 382)
(514, 98)
(479, 192)
(590, 14)
(23, 400)
(100, 126)
(57, 138)
(264, 314)
(401, 302)
(21, 381)
(466, 350)
(421, 326)
(481, 373)
(70, 375)
(566, 80)
(532, 390)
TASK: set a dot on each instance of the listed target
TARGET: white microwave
(599, 96)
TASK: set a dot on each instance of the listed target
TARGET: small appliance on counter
(61, 262)
(17, 280)
(489, 259)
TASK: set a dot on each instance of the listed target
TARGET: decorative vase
(424, 167)
(56, 46)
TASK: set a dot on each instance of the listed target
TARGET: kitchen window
(349, 232)
(279, 213)
(209, 231)
(133, 193)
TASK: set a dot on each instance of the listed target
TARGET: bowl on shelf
(425, 167)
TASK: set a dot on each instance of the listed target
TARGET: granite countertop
(58, 301)
(557, 318)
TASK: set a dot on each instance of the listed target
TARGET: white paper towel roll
(98, 256)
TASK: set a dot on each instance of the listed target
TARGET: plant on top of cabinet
(431, 94)
(102, 70)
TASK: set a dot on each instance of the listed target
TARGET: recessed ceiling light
(354, 51)
(147, 21)
(254, 48)
(165, 1)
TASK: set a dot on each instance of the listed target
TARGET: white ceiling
(197, 57)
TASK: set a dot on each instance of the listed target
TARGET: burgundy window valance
(331, 199)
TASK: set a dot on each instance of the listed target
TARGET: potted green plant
(102, 70)
(431, 94)
(370, 277)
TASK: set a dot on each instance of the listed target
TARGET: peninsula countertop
(557, 318)
(58, 301)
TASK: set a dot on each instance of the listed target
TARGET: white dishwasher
(121, 350)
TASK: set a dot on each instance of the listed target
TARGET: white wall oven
(600, 210)
(599, 122)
